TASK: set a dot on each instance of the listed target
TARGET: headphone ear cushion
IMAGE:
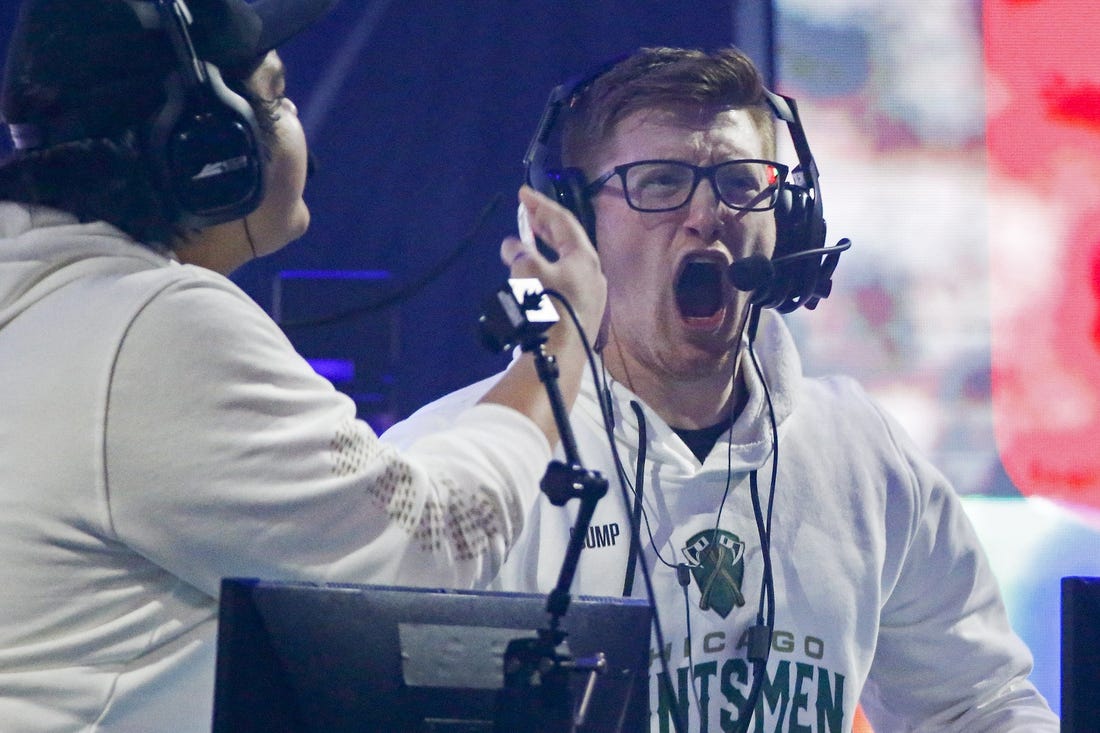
(794, 280)
(205, 143)
(791, 228)
(212, 165)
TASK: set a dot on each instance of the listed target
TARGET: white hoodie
(883, 595)
(158, 433)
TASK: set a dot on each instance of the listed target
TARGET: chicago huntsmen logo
(716, 559)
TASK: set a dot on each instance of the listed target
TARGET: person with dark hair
(158, 432)
(805, 562)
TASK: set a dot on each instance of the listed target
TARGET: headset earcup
(213, 166)
(205, 144)
(567, 187)
(572, 194)
(796, 231)
(789, 222)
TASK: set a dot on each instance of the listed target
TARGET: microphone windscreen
(751, 273)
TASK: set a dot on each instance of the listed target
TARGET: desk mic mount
(536, 695)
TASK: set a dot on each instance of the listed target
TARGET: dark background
(418, 114)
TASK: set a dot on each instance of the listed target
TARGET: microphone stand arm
(564, 481)
(519, 315)
(536, 695)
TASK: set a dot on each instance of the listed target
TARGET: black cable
(765, 614)
(682, 570)
(766, 542)
(766, 606)
(608, 421)
(411, 288)
(639, 476)
(636, 512)
(729, 479)
(684, 583)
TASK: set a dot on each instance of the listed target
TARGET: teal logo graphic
(716, 559)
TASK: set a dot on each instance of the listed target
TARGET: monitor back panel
(341, 658)
(1080, 655)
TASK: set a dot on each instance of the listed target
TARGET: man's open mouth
(699, 289)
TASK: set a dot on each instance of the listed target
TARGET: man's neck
(690, 402)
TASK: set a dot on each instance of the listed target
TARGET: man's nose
(705, 211)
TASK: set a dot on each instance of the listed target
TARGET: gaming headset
(799, 273)
(203, 142)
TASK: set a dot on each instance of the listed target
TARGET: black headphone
(804, 275)
(204, 141)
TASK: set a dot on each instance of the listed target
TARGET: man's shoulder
(839, 387)
(842, 405)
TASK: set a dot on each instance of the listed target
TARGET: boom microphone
(751, 273)
(756, 272)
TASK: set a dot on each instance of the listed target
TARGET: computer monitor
(1080, 654)
(297, 657)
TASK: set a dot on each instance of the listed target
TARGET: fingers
(520, 257)
(575, 274)
(551, 222)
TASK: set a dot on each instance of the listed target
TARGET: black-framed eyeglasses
(665, 185)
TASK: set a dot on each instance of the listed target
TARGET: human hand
(576, 273)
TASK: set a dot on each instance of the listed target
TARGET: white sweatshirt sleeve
(226, 455)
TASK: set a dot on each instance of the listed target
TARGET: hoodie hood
(751, 432)
(42, 249)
